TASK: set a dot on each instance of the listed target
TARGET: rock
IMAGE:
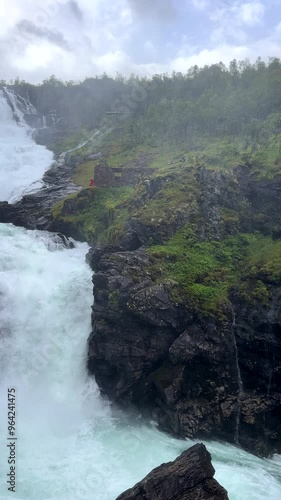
(33, 211)
(219, 193)
(178, 367)
(258, 334)
(140, 317)
(153, 305)
(189, 477)
(137, 353)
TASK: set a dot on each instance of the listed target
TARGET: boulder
(189, 477)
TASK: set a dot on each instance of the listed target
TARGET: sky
(74, 39)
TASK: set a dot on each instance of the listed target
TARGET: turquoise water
(71, 445)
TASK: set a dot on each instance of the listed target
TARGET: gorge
(197, 374)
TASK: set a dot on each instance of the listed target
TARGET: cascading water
(22, 161)
(70, 444)
(19, 105)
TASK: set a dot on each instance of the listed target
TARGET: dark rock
(219, 194)
(158, 225)
(181, 368)
(33, 211)
(189, 477)
(137, 350)
(141, 331)
(258, 336)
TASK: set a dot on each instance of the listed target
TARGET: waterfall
(70, 443)
(20, 106)
(22, 162)
(239, 379)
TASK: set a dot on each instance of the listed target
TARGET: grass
(84, 172)
(205, 274)
(100, 214)
(265, 259)
(267, 160)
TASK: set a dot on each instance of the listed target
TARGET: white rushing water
(70, 446)
(22, 161)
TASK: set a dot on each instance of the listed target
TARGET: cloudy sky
(77, 38)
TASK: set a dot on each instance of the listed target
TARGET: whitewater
(71, 444)
(22, 161)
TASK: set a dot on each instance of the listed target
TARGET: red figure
(92, 182)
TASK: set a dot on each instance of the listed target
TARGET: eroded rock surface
(180, 367)
(189, 477)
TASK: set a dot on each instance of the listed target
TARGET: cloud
(232, 21)
(76, 11)
(41, 55)
(29, 31)
(157, 9)
(9, 15)
(200, 4)
(251, 13)
(77, 38)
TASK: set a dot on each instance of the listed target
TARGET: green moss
(265, 259)
(260, 293)
(229, 216)
(100, 213)
(56, 211)
(122, 157)
(204, 272)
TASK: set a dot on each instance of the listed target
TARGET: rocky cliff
(200, 353)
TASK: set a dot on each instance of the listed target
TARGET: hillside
(184, 223)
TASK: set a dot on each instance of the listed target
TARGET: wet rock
(143, 319)
(33, 211)
(189, 477)
(178, 367)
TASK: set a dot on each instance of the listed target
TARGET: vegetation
(213, 117)
(98, 214)
(238, 105)
(206, 273)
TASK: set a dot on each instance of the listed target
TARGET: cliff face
(184, 369)
(202, 364)
(189, 477)
(186, 319)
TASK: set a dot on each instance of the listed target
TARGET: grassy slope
(204, 273)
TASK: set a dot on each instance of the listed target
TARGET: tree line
(243, 99)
